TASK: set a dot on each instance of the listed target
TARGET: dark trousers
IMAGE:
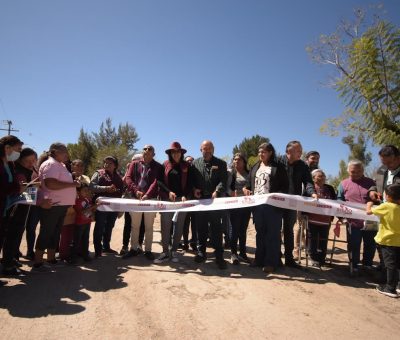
(127, 230)
(289, 219)
(30, 229)
(212, 220)
(51, 221)
(105, 221)
(239, 222)
(190, 221)
(80, 241)
(317, 241)
(354, 246)
(268, 221)
(391, 260)
(14, 229)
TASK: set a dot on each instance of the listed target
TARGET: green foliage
(334, 181)
(249, 146)
(109, 141)
(368, 81)
(358, 150)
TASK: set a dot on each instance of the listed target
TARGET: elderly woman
(239, 217)
(59, 188)
(267, 176)
(318, 225)
(108, 183)
(176, 186)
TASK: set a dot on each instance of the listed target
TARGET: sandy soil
(112, 298)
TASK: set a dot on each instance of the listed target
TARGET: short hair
(77, 161)
(393, 191)
(388, 151)
(112, 159)
(314, 172)
(292, 143)
(312, 153)
(355, 162)
(56, 147)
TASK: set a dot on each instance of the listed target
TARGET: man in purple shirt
(355, 189)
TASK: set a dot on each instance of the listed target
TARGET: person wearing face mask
(19, 215)
(10, 148)
(300, 182)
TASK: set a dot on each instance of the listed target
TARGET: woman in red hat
(176, 186)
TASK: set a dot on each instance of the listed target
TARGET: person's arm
(220, 189)
(308, 182)
(368, 208)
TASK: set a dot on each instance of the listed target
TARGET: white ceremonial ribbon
(293, 202)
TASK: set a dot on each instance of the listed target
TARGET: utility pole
(9, 123)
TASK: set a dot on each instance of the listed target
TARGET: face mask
(13, 157)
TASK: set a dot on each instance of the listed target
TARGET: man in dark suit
(210, 182)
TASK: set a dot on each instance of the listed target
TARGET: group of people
(66, 206)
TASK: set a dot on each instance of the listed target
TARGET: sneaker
(243, 258)
(221, 263)
(162, 258)
(30, 256)
(200, 257)
(185, 247)
(193, 246)
(130, 253)
(386, 291)
(139, 250)
(234, 259)
(149, 255)
(123, 250)
(17, 263)
(174, 257)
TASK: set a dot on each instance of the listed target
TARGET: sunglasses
(145, 149)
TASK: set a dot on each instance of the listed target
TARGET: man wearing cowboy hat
(209, 182)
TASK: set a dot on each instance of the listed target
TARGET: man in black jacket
(210, 182)
(299, 178)
(388, 173)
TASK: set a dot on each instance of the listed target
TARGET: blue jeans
(239, 221)
(268, 221)
(105, 221)
(354, 246)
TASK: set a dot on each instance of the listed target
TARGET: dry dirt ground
(112, 298)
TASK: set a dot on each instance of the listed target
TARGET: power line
(9, 123)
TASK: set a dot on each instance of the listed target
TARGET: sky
(184, 70)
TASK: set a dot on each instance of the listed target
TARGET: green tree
(367, 61)
(249, 147)
(93, 147)
(358, 150)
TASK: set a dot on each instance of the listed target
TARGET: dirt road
(112, 298)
